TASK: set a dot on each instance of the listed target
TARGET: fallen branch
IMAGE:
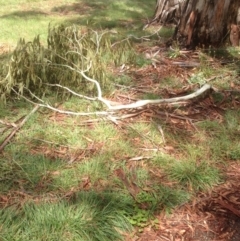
(18, 127)
(138, 104)
(110, 107)
(205, 88)
(177, 100)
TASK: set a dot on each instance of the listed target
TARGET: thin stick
(162, 134)
(18, 127)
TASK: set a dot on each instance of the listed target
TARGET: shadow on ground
(24, 14)
(107, 14)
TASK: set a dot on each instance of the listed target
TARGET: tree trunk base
(204, 23)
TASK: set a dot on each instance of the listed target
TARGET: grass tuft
(195, 176)
(93, 217)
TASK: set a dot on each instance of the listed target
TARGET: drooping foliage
(69, 50)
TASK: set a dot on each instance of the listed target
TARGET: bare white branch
(175, 100)
(45, 105)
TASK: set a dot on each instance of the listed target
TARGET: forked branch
(114, 108)
(111, 108)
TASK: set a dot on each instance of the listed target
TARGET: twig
(52, 143)
(139, 158)
(134, 88)
(144, 136)
(172, 115)
(186, 64)
(7, 123)
(162, 133)
(18, 127)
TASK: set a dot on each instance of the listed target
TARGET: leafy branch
(77, 59)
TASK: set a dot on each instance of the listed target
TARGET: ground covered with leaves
(211, 215)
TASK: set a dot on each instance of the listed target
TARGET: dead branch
(183, 100)
(18, 127)
(177, 100)
(111, 108)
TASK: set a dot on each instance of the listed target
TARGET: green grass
(222, 140)
(193, 175)
(190, 169)
(170, 82)
(58, 175)
(25, 171)
(26, 19)
(146, 134)
(93, 216)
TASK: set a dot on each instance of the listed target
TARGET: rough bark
(234, 35)
(167, 11)
(200, 22)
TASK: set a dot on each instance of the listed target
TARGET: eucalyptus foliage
(69, 49)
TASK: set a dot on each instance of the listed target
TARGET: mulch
(211, 216)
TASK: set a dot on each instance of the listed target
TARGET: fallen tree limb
(18, 127)
(111, 109)
(177, 100)
(203, 90)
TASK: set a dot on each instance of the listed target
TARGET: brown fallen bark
(229, 207)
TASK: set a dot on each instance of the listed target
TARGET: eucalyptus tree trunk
(201, 22)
